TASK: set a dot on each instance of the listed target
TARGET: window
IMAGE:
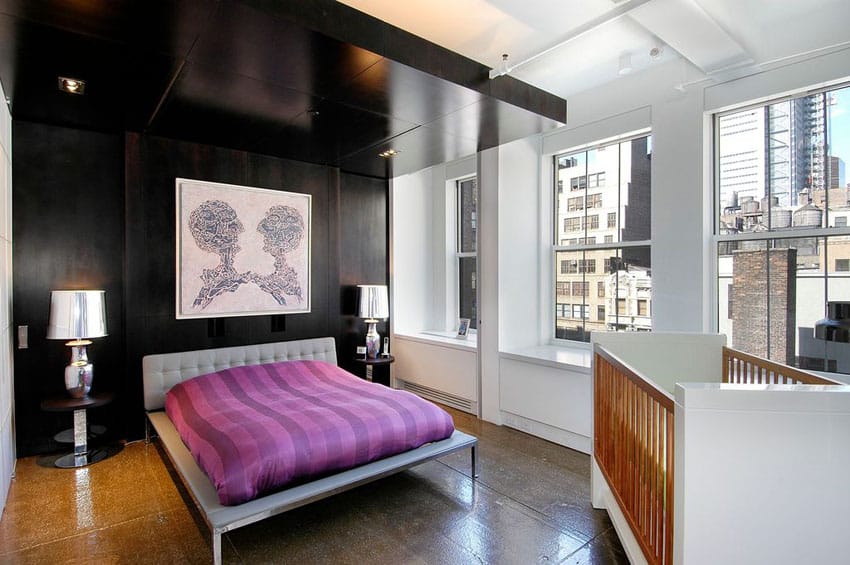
(580, 288)
(467, 245)
(573, 224)
(642, 307)
(563, 289)
(562, 310)
(619, 177)
(779, 171)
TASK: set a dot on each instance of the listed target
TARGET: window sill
(447, 339)
(555, 356)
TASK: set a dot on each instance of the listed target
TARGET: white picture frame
(462, 328)
(241, 251)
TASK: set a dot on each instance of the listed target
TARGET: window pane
(570, 171)
(782, 165)
(468, 306)
(467, 198)
(622, 293)
(635, 190)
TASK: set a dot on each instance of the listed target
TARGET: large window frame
(466, 249)
(749, 228)
(576, 253)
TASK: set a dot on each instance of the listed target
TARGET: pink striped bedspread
(257, 428)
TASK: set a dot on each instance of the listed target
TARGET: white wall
(520, 236)
(761, 474)
(7, 439)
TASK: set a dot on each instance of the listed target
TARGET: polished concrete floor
(531, 504)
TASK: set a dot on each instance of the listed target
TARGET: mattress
(259, 428)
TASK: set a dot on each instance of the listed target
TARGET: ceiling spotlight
(389, 153)
(72, 85)
(625, 66)
(656, 52)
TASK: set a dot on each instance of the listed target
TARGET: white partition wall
(761, 474)
(7, 439)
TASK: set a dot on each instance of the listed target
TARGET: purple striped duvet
(257, 428)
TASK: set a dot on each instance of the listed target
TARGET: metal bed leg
(474, 450)
(216, 543)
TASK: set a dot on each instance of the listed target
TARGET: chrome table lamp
(374, 305)
(77, 315)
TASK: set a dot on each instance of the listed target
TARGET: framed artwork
(462, 328)
(241, 251)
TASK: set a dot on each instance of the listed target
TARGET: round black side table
(379, 360)
(81, 456)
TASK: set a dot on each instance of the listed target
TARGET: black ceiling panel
(315, 81)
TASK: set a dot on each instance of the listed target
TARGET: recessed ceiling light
(72, 85)
(389, 153)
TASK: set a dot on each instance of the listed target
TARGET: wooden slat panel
(633, 431)
(740, 367)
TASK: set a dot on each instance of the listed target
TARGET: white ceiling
(575, 45)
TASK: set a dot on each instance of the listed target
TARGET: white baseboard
(547, 432)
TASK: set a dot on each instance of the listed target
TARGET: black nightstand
(81, 456)
(379, 360)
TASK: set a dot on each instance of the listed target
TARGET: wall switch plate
(23, 337)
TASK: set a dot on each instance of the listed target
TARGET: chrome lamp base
(79, 373)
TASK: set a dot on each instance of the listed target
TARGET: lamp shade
(374, 303)
(77, 314)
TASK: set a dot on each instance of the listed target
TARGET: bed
(162, 372)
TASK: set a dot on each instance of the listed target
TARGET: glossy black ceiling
(312, 80)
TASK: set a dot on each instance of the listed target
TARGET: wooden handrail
(633, 446)
(743, 368)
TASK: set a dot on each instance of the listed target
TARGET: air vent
(439, 396)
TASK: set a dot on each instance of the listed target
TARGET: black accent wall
(94, 210)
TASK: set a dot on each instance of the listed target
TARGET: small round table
(81, 456)
(379, 360)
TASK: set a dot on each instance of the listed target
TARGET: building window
(562, 310)
(642, 307)
(580, 288)
(779, 172)
(619, 176)
(562, 289)
(467, 247)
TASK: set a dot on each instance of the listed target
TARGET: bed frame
(161, 372)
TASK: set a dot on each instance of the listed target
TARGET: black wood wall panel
(364, 244)
(68, 233)
(98, 211)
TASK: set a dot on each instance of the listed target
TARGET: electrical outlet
(23, 337)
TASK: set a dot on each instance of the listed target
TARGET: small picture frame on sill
(462, 328)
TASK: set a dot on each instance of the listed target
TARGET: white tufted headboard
(163, 371)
